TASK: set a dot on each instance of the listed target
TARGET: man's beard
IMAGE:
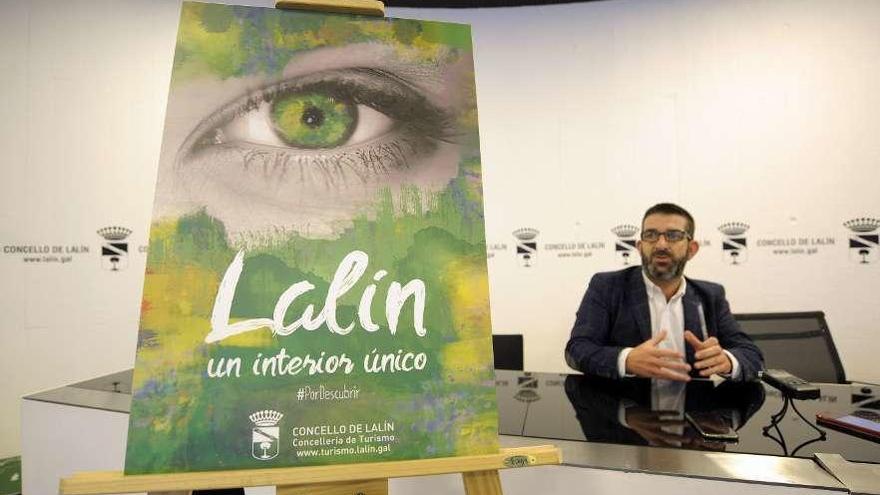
(673, 270)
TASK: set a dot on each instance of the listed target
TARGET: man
(651, 322)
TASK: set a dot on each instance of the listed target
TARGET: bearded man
(652, 322)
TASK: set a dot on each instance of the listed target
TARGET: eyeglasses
(652, 235)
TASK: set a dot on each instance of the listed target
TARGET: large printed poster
(316, 288)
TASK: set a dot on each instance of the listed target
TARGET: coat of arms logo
(114, 252)
(734, 245)
(526, 245)
(266, 434)
(864, 240)
(625, 245)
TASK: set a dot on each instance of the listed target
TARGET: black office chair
(799, 343)
(508, 350)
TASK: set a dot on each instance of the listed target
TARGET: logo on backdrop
(528, 389)
(625, 247)
(864, 240)
(733, 244)
(526, 245)
(114, 252)
(266, 434)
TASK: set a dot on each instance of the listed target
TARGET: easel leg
(369, 487)
(482, 483)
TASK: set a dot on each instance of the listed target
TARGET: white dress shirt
(669, 316)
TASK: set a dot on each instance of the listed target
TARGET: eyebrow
(375, 55)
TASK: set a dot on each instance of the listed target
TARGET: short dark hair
(672, 209)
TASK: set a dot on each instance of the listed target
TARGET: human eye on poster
(316, 288)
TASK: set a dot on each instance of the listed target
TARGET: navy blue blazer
(615, 314)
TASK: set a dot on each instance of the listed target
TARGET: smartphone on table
(712, 425)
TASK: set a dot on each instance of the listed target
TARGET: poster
(316, 288)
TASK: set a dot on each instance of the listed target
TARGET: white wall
(753, 111)
(82, 103)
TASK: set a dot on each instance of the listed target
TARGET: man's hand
(710, 357)
(649, 361)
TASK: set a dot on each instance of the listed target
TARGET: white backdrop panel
(750, 111)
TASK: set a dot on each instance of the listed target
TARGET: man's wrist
(734, 365)
(621, 361)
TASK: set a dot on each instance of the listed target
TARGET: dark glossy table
(535, 407)
(632, 412)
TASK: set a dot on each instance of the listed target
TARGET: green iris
(313, 120)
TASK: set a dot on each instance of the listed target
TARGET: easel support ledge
(359, 7)
(101, 482)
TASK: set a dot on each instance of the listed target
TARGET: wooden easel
(363, 7)
(479, 472)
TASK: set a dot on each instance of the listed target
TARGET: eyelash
(418, 127)
(281, 164)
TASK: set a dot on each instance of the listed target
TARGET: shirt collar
(654, 290)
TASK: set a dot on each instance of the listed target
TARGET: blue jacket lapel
(692, 321)
(639, 304)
